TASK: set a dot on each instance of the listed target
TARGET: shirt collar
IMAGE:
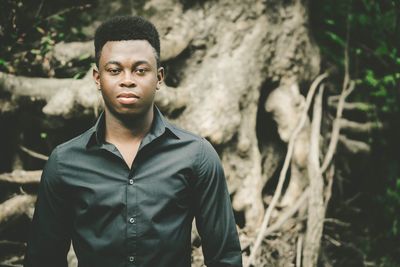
(159, 126)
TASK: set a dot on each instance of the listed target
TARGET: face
(128, 77)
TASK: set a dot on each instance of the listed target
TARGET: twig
(359, 127)
(337, 222)
(353, 106)
(33, 153)
(328, 190)
(333, 241)
(354, 146)
(299, 250)
(288, 213)
(347, 202)
(336, 127)
(285, 167)
(347, 88)
(63, 11)
(39, 8)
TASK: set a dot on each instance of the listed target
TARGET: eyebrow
(137, 63)
(112, 63)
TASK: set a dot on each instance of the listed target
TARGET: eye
(140, 71)
(114, 71)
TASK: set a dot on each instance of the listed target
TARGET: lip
(127, 98)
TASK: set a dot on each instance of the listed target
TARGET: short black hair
(122, 28)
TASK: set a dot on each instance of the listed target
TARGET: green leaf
(336, 38)
(364, 107)
(84, 56)
(382, 49)
(389, 80)
(363, 19)
(35, 51)
(330, 21)
(41, 30)
(58, 17)
(370, 78)
(3, 62)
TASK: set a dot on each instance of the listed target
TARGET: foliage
(29, 29)
(370, 30)
(373, 43)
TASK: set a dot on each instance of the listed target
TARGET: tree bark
(227, 62)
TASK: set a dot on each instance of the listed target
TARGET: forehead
(128, 50)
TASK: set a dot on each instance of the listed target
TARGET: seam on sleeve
(200, 157)
(57, 165)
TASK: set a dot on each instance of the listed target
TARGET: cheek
(106, 81)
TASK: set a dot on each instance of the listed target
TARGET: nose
(128, 80)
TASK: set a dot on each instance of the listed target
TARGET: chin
(125, 112)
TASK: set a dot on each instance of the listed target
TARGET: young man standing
(126, 191)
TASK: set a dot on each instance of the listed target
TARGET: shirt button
(130, 181)
(131, 220)
(131, 259)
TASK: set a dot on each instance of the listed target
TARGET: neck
(124, 129)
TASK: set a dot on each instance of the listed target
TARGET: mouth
(127, 98)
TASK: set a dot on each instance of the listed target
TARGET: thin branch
(333, 241)
(359, 127)
(285, 167)
(336, 127)
(337, 222)
(328, 190)
(316, 208)
(288, 213)
(354, 146)
(33, 153)
(299, 250)
(346, 79)
(353, 106)
(347, 88)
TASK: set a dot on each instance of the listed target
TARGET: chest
(160, 180)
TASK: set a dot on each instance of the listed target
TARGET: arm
(49, 240)
(214, 215)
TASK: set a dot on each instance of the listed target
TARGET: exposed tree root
(14, 208)
(21, 177)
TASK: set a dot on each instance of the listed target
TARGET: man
(126, 191)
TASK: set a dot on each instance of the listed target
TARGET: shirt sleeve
(214, 215)
(49, 239)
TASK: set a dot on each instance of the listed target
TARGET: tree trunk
(234, 70)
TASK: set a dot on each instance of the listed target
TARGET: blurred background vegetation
(370, 29)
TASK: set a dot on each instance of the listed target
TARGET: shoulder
(205, 152)
(202, 145)
(183, 134)
(78, 142)
(63, 154)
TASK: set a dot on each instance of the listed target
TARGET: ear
(160, 77)
(96, 77)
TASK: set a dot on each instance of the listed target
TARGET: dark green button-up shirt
(140, 216)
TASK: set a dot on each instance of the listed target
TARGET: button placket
(131, 212)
